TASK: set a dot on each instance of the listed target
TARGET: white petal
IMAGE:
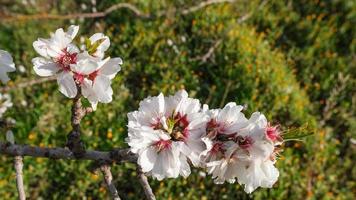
(71, 48)
(60, 39)
(111, 67)
(66, 84)
(72, 31)
(45, 67)
(102, 89)
(41, 46)
(6, 65)
(147, 158)
(84, 65)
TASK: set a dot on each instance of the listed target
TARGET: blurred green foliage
(292, 60)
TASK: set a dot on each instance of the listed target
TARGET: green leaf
(87, 43)
(93, 47)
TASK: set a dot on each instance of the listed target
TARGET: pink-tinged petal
(111, 67)
(66, 84)
(45, 67)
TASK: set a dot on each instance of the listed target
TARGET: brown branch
(74, 143)
(114, 156)
(204, 4)
(144, 183)
(19, 179)
(26, 83)
(131, 7)
(105, 169)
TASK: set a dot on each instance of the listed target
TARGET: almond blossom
(220, 155)
(6, 65)
(94, 76)
(86, 70)
(58, 52)
(240, 149)
(259, 170)
(166, 134)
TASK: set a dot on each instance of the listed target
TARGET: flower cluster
(169, 133)
(87, 71)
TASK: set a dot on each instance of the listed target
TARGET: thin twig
(105, 169)
(131, 7)
(204, 58)
(204, 4)
(144, 183)
(26, 83)
(114, 156)
(226, 92)
(19, 178)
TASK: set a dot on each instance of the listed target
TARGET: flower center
(272, 133)
(93, 75)
(79, 78)
(65, 59)
(162, 145)
(244, 142)
(177, 127)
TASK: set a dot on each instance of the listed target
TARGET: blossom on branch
(75, 69)
(170, 133)
(240, 149)
(166, 134)
(58, 52)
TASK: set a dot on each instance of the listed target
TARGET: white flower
(58, 53)
(258, 173)
(5, 103)
(75, 69)
(259, 170)
(104, 44)
(240, 149)
(220, 155)
(94, 76)
(6, 65)
(166, 133)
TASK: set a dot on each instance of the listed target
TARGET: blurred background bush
(294, 60)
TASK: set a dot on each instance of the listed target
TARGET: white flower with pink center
(220, 156)
(74, 69)
(166, 134)
(258, 167)
(58, 53)
(240, 149)
(6, 65)
(94, 77)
